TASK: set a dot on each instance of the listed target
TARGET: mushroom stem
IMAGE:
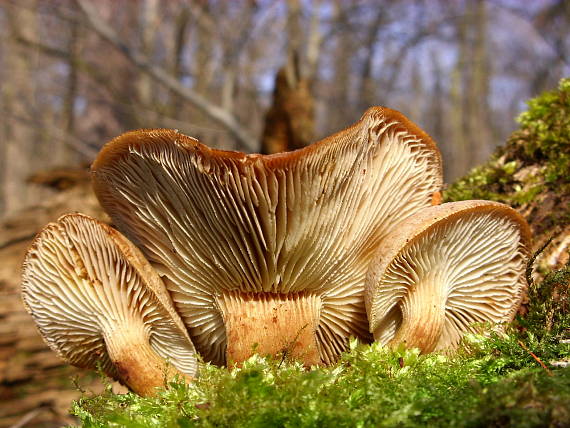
(423, 316)
(271, 324)
(138, 365)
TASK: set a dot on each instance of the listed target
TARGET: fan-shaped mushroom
(445, 268)
(268, 251)
(97, 301)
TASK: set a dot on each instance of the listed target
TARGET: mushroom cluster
(226, 254)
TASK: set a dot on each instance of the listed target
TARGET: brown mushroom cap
(97, 301)
(218, 224)
(445, 268)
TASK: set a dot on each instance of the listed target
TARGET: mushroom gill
(220, 226)
(98, 303)
(446, 268)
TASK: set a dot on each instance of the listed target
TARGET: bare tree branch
(244, 140)
(87, 149)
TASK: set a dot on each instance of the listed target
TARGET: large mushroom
(445, 269)
(269, 253)
(98, 303)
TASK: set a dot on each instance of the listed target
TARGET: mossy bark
(532, 174)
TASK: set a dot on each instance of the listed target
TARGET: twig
(290, 346)
(30, 416)
(535, 357)
(529, 265)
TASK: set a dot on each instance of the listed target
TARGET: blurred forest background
(251, 75)
(264, 75)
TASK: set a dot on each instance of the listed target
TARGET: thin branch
(289, 348)
(244, 140)
(82, 147)
(538, 360)
(91, 70)
(28, 417)
(202, 18)
(530, 263)
(522, 13)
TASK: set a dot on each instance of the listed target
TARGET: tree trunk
(480, 125)
(290, 122)
(67, 156)
(459, 147)
(18, 94)
(148, 27)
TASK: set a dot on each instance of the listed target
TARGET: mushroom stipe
(447, 268)
(239, 254)
(97, 302)
(272, 324)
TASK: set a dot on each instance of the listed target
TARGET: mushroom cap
(307, 221)
(82, 279)
(472, 253)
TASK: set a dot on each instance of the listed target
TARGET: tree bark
(290, 122)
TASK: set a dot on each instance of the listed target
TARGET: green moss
(371, 386)
(493, 380)
(542, 142)
(545, 132)
(549, 305)
(484, 182)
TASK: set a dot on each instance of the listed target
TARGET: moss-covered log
(532, 173)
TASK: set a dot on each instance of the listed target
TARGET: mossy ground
(494, 380)
(532, 171)
(367, 388)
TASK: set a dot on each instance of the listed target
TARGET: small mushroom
(268, 253)
(445, 268)
(97, 302)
